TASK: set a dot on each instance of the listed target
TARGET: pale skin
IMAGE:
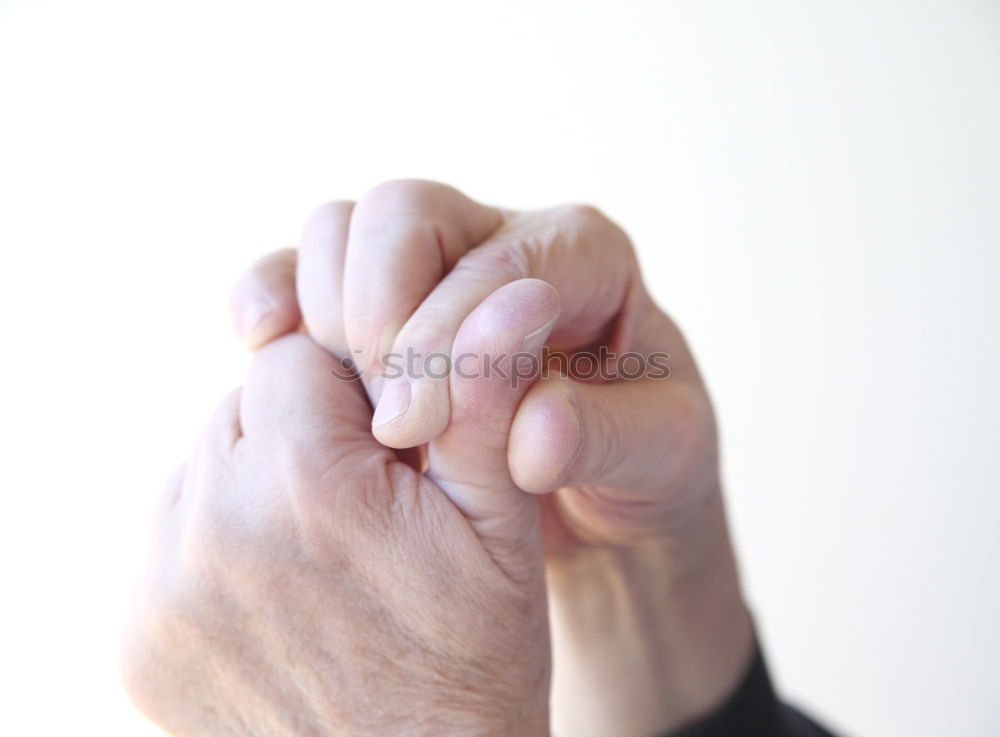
(596, 504)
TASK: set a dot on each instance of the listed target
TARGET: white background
(814, 188)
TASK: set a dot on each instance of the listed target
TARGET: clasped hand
(373, 556)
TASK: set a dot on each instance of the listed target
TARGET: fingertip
(516, 318)
(269, 323)
(250, 316)
(258, 319)
(409, 413)
(545, 292)
(262, 303)
(545, 437)
(537, 298)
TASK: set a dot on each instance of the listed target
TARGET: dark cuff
(753, 711)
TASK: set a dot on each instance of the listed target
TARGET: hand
(304, 581)
(649, 625)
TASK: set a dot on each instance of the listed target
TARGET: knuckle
(333, 211)
(326, 226)
(370, 359)
(586, 222)
(280, 261)
(377, 343)
(410, 196)
(584, 214)
(328, 331)
(268, 272)
(511, 258)
(426, 333)
(407, 216)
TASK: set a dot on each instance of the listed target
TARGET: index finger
(404, 237)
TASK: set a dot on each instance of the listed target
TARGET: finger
(262, 302)
(588, 260)
(640, 436)
(404, 236)
(292, 400)
(319, 278)
(496, 358)
(311, 432)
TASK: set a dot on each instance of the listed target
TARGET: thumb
(633, 452)
(494, 360)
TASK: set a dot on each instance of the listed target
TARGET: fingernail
(533, 341)
(254, 313)
(395, 400)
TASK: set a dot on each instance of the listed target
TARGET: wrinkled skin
(649, 629)
(648, 622)
(304, 581)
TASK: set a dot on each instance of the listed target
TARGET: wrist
(505, 720)
(647, 636)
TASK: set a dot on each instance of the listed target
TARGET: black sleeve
(753, 711)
